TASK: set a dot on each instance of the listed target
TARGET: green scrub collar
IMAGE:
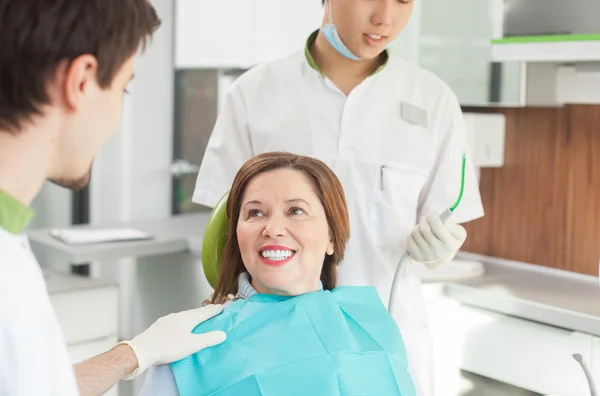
(14, 216)
(313, 64)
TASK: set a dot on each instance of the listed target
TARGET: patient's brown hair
(326, 186)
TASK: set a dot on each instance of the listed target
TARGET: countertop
(170, 235)
(553, 297)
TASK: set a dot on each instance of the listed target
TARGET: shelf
(554, 48)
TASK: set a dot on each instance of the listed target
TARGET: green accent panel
(547, 39)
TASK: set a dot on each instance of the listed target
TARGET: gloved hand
(170, 338)
(434, 243)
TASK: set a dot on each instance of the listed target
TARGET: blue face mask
(333, 38)
(331, 35)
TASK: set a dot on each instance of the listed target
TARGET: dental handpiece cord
(444, 216)
(587, 373)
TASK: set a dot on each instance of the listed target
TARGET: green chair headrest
(214, 239)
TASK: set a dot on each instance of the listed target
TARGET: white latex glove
(434, 243)
(170, 338)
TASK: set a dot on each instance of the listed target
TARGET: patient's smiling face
(283, 233)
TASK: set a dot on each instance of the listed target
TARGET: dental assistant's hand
(170, 338)
(434, 243)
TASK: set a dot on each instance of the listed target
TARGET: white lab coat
(393, 171)
(33, 353)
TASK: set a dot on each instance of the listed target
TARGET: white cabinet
(554, 31)
(555, 49)
(526, 354)
(595, 366)
(240, 33)
(486, 134)
(87, 312)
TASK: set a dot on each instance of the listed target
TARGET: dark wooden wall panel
(543, 206)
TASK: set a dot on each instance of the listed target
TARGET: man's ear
(80, 77)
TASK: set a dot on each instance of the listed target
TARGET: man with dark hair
(64, 67)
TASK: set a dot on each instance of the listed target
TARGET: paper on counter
(86, 236)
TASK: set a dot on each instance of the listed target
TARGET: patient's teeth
(276, 254)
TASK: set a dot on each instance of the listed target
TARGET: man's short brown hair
(37, 35)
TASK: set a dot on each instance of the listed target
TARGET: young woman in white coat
(391, 131)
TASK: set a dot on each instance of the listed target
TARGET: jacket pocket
(396, 196)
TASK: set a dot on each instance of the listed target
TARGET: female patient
(290, 331)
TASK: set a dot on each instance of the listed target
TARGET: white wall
(453, 40)
(131, 179)
(131, 182)
(52, 206)
(407, 45)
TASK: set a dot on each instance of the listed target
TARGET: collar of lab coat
(313, 64)
(14, 216)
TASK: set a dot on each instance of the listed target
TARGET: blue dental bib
(340, 342)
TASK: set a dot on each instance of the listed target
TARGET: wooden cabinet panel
(543, 205)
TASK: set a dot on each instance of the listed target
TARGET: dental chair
(213, 242)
